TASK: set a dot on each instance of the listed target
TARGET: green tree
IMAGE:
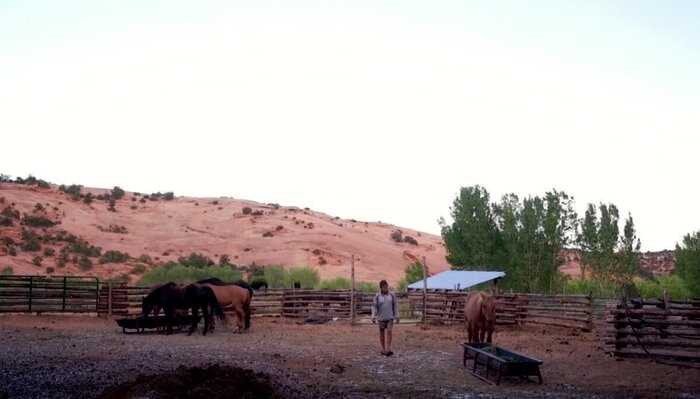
(688, 261)
(471, 238)
(117, 193)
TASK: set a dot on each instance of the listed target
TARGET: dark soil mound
(209, 382)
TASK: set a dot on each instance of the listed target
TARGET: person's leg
(381, 339)
(389, 329)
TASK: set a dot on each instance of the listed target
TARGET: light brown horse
(233, 296)
(480, 316)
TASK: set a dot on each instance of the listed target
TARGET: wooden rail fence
(38, 294)
(446, 307)
(654, 328)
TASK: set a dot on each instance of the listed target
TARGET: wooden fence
(658, 329)
(445, 307)
(38, 294)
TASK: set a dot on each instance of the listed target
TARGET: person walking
(385, 310)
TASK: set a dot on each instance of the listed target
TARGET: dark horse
(236, 296)
(172, 297)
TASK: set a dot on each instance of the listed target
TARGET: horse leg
(169, 316)
(239, 318)
(207, 319)
(195, 319)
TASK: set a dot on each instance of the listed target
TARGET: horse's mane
(218, 281)
(159, 289)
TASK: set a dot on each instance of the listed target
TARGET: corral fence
(574, 311)
(39, 294)
(659, 329)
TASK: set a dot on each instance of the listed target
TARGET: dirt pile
(208, 382)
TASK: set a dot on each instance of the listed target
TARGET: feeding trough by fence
(158, 323)
(490, 363)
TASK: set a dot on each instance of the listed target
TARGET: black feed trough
(158, 323)
(491, 362)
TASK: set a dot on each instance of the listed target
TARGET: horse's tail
(246, 307)
(214, 303)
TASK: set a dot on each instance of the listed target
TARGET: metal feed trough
(498, 362)
(158, 323)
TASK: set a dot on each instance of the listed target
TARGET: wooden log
(558, 317)
(631, 341)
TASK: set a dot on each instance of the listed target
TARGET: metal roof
(456, 280)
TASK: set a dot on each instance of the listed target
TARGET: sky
(373, 110)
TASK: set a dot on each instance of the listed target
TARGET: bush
(145, 259)
(88, 198)
(73, 190)
(169, 196)
(673, 284)
(138, 269)
(275, 276)
(114, 257)
(31, 245)
(49, 252)
(7, 271)
(365, 286)
(37, 260)
(224, 260)
(9, 212)
(338, 283)
(267, 234)
(397, 236)
(82, 247)
(247, 210)
(111, 207)
(117, 193)
(410, 240)
(84, 263)
(306, 276)
(50, 270)
(183, 274)
(5, 221)
(196, 260)
(37, 221)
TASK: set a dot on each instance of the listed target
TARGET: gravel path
(75, 357)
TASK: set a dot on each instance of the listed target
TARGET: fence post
(109, 299)
(63, 305)
(425, 292)
(31, 283)
(352, 289)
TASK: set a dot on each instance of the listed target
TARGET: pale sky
(362, 109)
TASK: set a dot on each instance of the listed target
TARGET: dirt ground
(65, 356)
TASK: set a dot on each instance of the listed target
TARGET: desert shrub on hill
(397, 236)
(50, 270)
(11, 250)
(257, 212)
(73, 190)
(36, 261)
(196, 260)
(30, 241)
(138, 269)
(7, 271)
(82, 247)
(113, 256)
(145, 259)
(5, 221)
(10, 212)
(117, 193)
(247, 210)
(169, 196)
(111, 207)
(410, 240)
(37, 221)
(88, 198)
(267, 234)
(49, 252)
(84, 263)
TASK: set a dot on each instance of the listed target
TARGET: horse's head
(488, 308)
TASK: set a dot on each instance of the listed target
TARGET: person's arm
(395, 307)
(374, 309)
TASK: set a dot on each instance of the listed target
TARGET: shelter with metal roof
(456, 280)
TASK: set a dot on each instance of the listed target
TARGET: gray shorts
(386, 324)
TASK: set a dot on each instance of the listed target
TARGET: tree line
(525, 237)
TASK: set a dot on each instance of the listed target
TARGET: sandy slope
(166, 230)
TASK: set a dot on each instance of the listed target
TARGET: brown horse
(234, 296)
(480, 316)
